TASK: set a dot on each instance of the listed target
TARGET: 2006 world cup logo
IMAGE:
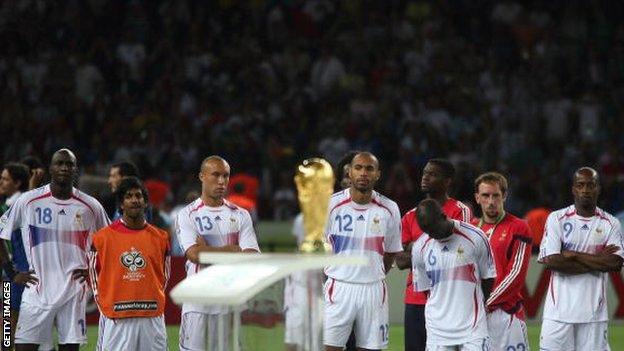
(133, 260)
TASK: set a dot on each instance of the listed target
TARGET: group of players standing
(463, 293)
(465, 287)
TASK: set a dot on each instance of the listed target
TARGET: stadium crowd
(532, 89)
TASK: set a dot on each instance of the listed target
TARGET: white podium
(234, 279)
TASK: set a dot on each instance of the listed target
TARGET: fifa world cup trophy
(315, 184)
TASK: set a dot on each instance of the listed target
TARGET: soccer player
(360, 222)
(210, 224)
(13, 182)
(581, 244)
(453, 261)
(435, 184)
(510, 240)
(57, 223)
(295, 292)
(129, 268)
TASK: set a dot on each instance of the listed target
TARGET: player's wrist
(9, 270)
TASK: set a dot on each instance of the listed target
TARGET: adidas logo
(584, 227)
(217, 218)
(62, 212)
(360, 218)
(445, 249)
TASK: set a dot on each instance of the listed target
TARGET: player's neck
(134, 223)
(493, 220)
(61, 191)
(211, 201)
(361, 198)
(440, 198)
(583, 211)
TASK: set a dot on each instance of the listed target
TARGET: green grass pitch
(271, 339)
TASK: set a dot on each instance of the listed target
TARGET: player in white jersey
(360, 222)
(581, 244)
(57, 223)
(453, 261)
(210, 224)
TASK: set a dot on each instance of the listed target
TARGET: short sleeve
(420, 279)
(392, 242)
(487, 269)
(615, 238)
(11, 219)
(101, 218)
(185, 231)
(247, 236)
(551, 241)
(406, 226)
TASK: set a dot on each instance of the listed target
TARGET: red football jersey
(411, 231)
(510, 240)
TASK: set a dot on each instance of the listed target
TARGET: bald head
(214, 176)
(64, 152)
(63, 168)
(587, 172)
(364, 172)
(365, 155)
(211, 160)
(585, 188)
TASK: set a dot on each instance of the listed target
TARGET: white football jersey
(227, 224)
(578, 298)
(57, 236)
(369, 230)
(452, 270)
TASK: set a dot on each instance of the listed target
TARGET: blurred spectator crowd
(534, 89)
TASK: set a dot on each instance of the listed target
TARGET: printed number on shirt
(44, 215)
(347, 220)
(83, 330)
(519, 347)
(431, 258)
(385, 330)
(567, 226)
(203, 223)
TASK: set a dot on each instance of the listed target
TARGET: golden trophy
(315, 184)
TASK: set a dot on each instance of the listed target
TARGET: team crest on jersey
(233, 224)
(133, 261)
(376, 228)
(503, 236)
(598, 231)
(78, 220)
(460, 252)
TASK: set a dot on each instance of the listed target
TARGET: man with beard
(510, 239)
(435, 184)
(360, 222)
(581, 244)
(452, 260)
(57, 223)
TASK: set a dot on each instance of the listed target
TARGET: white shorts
(140, 333)
(563, 336)
(193, 328)
(360, 306)
(293, 325)
(34, 324)
(507, 332)
(473, 345)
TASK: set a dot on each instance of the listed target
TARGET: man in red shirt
(435, 183)
(510, 239)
